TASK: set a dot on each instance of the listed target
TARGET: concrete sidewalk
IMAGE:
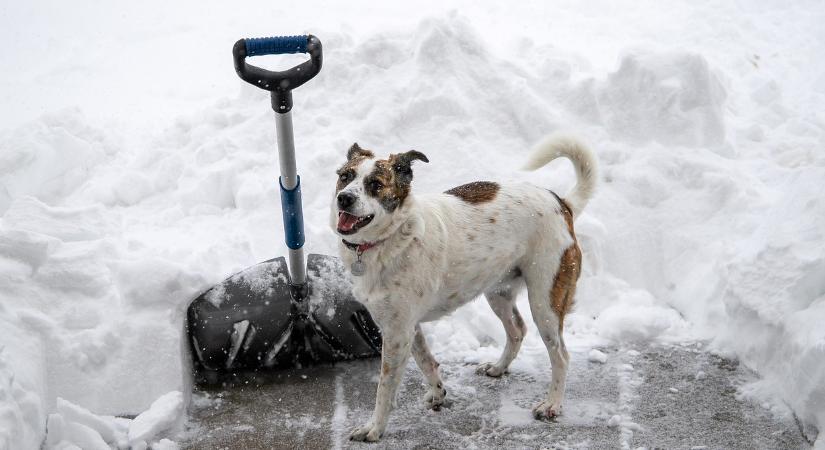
(662, 397)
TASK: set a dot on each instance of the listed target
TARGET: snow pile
(672, 98)
(50, 158)
(75, 427)
(776, 297)
(85, 322)
(708, 223)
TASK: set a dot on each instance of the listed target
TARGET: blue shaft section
(293, 215)
(276, 45)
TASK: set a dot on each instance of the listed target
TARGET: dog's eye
(375, 185)
(345, 177)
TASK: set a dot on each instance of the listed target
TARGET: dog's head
(371, 193)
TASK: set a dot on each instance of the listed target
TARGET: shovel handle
(277, 45)
(279, 83)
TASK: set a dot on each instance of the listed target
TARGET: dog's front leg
(395, 352)
(429, 367)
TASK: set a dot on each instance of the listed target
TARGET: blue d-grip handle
(277, 45)
(293, 215)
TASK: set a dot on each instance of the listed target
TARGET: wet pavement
(659, 397)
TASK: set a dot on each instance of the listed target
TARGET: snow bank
(775, 298)
(114, 214)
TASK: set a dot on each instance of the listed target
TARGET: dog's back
(484, 233)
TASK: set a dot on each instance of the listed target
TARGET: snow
(133, 177)
(597, 356)
(73, 425)
(161, 416)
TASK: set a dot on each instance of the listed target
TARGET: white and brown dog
(417, 258)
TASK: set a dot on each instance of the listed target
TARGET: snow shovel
(274, 314)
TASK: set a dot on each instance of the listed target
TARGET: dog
(417, 258)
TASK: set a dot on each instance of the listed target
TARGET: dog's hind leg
(504, 305)
(429, 367)
(551, 295)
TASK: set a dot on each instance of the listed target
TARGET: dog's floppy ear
(402, 163)
(356, 150)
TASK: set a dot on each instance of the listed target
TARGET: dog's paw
(366, 433)
(435, 400)
(547, 410)
(491, 370)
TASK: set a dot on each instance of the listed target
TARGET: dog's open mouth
(349, 223)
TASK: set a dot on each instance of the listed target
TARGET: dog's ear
(402, 164)
(413, 155)
(403, 161)
(356, 151)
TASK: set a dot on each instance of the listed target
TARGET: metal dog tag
(358, 267)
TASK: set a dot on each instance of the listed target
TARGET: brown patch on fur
(475, 192)
(564, 283)
(390, 181)
(355, 156)
(492, 220)
(385, 187)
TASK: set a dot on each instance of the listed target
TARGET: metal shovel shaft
(291, 197)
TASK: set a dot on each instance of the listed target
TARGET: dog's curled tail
(583, 159)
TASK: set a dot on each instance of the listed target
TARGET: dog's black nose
(345, 200)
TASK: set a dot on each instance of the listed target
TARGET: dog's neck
(362, 247)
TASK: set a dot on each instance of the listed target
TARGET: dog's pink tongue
(346, 221)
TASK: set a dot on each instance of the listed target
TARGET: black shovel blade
(342, 323)
(251, 320)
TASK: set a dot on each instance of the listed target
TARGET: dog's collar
(360, 248)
